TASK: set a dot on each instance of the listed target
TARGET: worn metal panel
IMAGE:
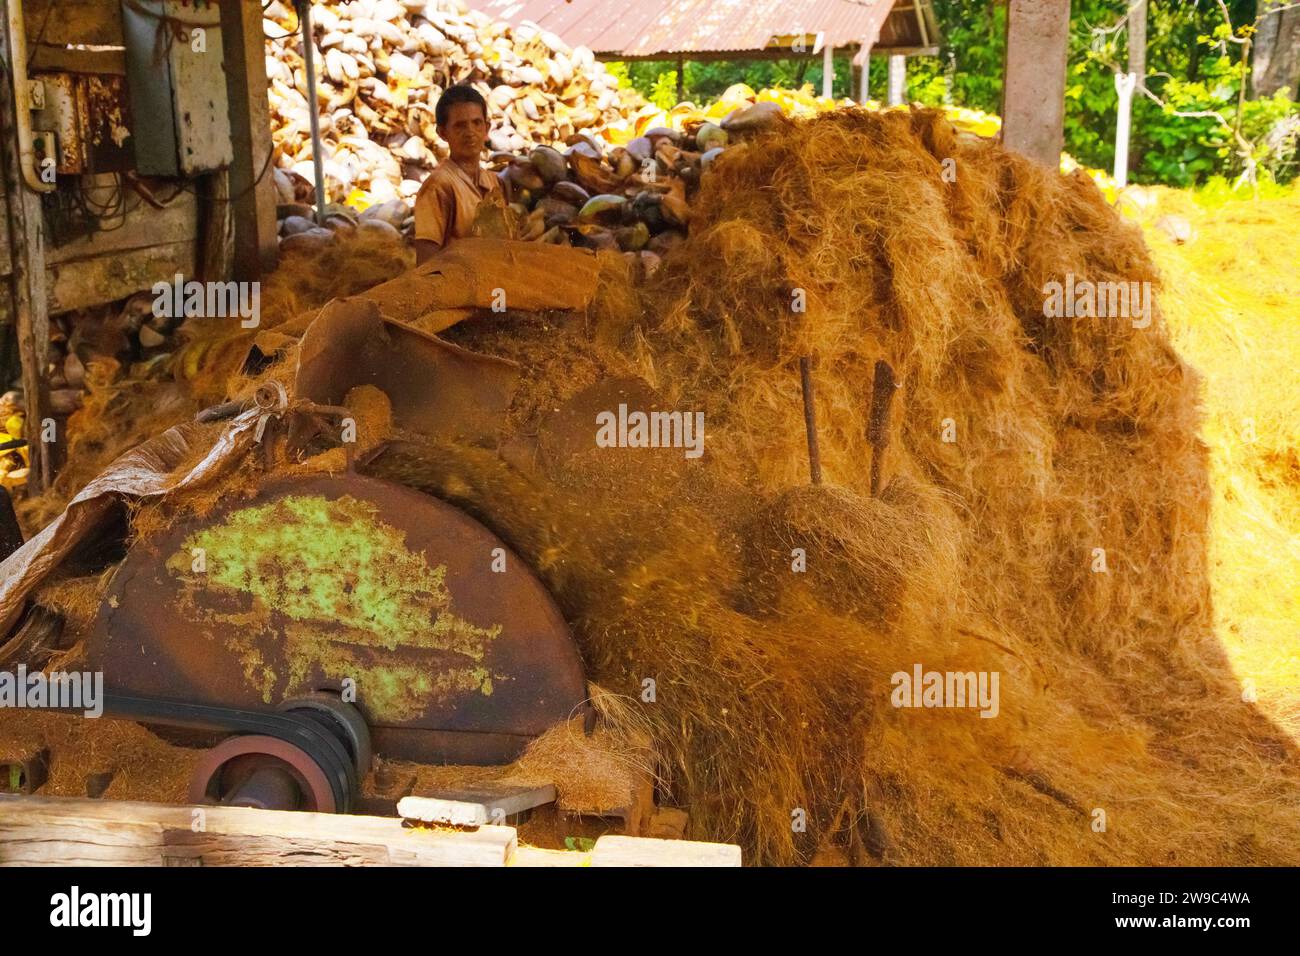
(91, 117)
(199, 91)
(613, 28)
(178, 92)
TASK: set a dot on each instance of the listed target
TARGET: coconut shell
(592, 174)
(570, 192)
(605, 208)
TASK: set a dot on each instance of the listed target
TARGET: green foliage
(663, 91)
(1218, 192)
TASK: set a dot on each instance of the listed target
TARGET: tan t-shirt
(448, 200)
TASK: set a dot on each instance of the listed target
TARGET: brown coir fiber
(1043, 517)
(119, 411)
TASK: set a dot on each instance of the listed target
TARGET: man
(448, 200)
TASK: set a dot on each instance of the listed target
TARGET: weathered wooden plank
(90, 22)
(141, 227)
(474, 806)
(63, 60)
(252, 187)
(642, 851)
(74, 831)
(84, 282)
(26, 227)
(535, 856)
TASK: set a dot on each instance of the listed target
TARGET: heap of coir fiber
(1042, 516)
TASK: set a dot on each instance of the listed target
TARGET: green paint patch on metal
(338, 594)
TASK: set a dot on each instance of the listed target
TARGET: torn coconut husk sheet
(471, 274)
(148, 470)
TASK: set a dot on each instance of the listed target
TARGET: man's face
(465, 130)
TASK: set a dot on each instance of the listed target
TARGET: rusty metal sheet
(615, 28)
(436, 388)
(317, 581)
(480, 273)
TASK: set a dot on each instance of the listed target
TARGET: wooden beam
(474, 806)
(641, 851)
(81, 832)
(764, 54)
(251, 186)
(58, 59)
(75, 831)
(27, 245)
(1033, 85)
(141, 227)
(69, 22)
(84, 282)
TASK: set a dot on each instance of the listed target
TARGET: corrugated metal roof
(619, 28)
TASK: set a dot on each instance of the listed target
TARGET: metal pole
(313, 106)
(1124, 85)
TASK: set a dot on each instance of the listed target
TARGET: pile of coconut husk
(1040, 513)
(381, 66)
(1037, 510)
(632, 198)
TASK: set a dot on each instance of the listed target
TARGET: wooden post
(251, 188)
(216, 226)
(30, 308)
(681, 79)
(1137, 37)
(810, 419)
(1033, 84)
(828, 71)
(897, 79)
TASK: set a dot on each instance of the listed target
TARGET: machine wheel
(255, 770)
(341, 718)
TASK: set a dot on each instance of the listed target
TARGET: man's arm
(424, 249)
(434, 207)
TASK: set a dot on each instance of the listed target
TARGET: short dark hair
(454, 95)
